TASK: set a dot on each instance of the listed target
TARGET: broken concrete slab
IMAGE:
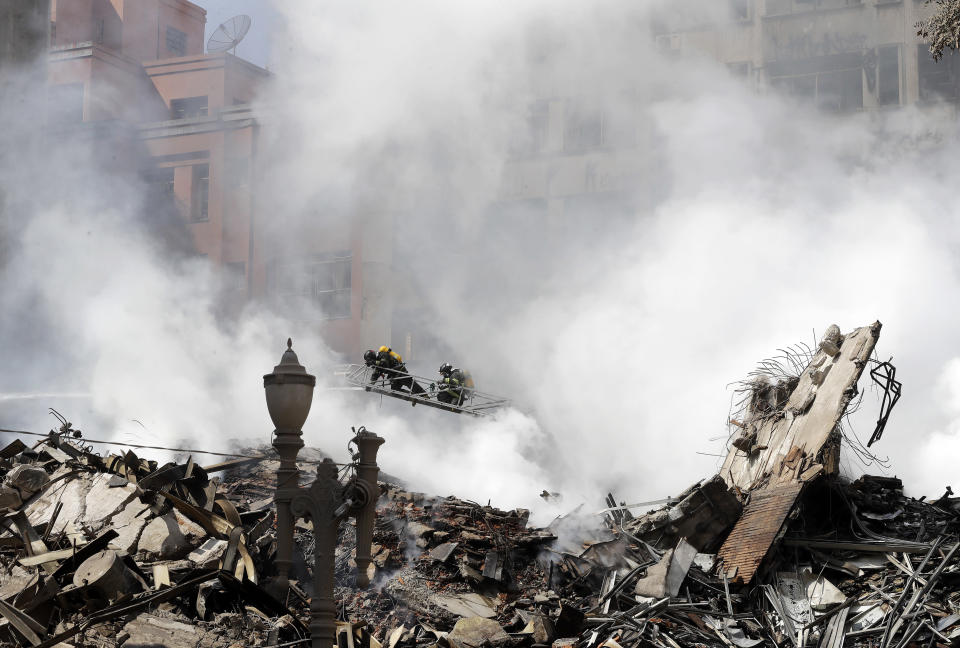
(169, 537)
(821, 593)
(808, 416)
(541, 629)
(474, 632)
(705, 511)
(442, 553)
(467, 605)
(418, 529)
(209, 553)
(71, 494)
(26, 479)
(149, 630)
(666, 577)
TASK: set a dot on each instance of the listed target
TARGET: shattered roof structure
(775, 550)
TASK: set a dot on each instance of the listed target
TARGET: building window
(740, 10)
(802, 87)
(830, 90)
(534, 139)
(188, 107)
(317, 282)
(888, 75)
(840, 91)
(938, 79)
(161, 184)
(201, 193)
(740, 69)
(53, 33)
(176, 42)
(779, 7)
(235, 276)
(583, 130)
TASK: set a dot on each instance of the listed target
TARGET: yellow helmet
(384, 349)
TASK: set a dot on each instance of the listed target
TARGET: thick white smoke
(758, 220)
(618, 336)
(108, 316)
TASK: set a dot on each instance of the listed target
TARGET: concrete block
(27, 479)
(148, 631)
(169, 537)
(474, 632)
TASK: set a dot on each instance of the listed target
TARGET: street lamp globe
(289, 391)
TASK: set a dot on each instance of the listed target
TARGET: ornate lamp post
(326, 502)
(289, 391)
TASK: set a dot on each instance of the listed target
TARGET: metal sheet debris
(778, 550)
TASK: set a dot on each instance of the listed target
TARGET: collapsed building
(777, 549)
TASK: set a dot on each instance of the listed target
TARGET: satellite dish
(229, 34)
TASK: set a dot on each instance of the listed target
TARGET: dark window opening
(534, 139)
(201, 192)
(161, 184)
(803, 87)
(188, 107)
(235, 276)
(840, 91)
(319, 282)
(938, 79)
(888, 75)
(740, 9)
(583, 130)
(176, 41)
(778, 7)
(831, 91)
(53, 33)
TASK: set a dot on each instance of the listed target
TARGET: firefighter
(455, 385)
(387, 363)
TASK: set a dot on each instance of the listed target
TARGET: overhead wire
(237, 455)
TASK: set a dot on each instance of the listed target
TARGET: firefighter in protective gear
(388, 363)
(455, 385)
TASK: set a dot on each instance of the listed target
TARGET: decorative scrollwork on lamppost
(326, 502)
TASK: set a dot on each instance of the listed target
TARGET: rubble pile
(117, 550)
(776, 550)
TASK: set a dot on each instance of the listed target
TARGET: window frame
(200, 193)
(179, 41)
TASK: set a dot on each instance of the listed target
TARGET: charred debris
(776, 549)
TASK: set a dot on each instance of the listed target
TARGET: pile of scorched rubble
(118, 551)
(777, 549)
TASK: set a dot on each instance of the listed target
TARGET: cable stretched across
(236, 455)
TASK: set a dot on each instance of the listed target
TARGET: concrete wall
(135, 28)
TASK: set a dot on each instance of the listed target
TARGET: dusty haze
(616, 335)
